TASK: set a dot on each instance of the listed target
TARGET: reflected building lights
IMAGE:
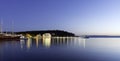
(82, 42)
(37, 42)
(47, 42)
(47, 39)
(29, 42)
(37, 38)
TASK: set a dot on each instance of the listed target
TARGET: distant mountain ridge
(52, 32)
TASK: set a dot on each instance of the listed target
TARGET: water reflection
(47, 42)
(51, 41)
(22, 42)
(73, 41)
(37, 42)
(29, 43)
(61, 49)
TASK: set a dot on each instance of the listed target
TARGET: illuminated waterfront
(61, 49)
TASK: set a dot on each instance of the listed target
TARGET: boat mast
(1, 23)
(12, 27)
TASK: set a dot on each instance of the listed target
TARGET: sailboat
(5, 36)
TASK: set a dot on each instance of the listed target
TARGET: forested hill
(52, 32)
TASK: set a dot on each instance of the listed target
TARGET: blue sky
(77, 16)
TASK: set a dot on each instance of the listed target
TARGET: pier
(100, 36)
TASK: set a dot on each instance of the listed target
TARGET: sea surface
(61, 49)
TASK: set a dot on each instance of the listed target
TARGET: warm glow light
(29, 42)
(47, 42)
(47, 39)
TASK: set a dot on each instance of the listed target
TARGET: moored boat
(9, 36)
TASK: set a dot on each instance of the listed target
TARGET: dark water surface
(61, 49)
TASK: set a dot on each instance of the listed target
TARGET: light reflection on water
(61, 49)
(47, 42)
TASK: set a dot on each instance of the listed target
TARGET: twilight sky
(77, 16)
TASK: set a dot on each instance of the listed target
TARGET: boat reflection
(52, 41)
(22, 42)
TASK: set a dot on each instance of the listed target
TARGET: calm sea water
(61, 49)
